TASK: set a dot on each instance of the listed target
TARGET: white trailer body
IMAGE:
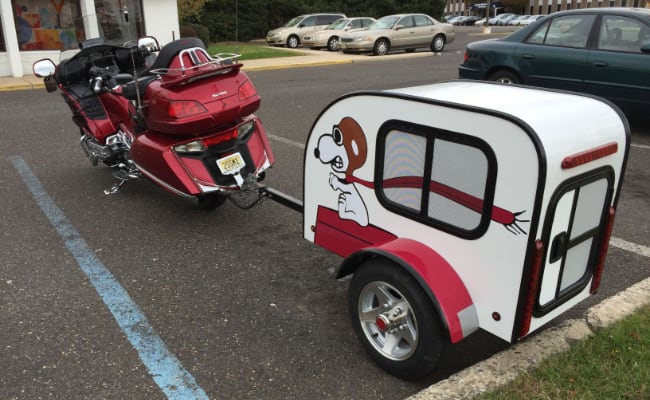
(498, 200)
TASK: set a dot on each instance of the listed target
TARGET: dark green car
(601, 51)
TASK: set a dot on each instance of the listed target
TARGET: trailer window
(439, 178)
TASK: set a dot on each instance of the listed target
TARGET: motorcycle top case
(199, 102)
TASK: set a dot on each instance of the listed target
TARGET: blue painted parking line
(165, 369)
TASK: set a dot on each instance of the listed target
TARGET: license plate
(231, 164)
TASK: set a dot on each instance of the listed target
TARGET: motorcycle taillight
(185, 108)
(246, 91)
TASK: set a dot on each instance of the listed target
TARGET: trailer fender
(436, 276)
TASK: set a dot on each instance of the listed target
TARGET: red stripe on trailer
(344, 237)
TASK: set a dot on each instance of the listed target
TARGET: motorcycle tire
(211, 201)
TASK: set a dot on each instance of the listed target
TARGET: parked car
(329, 37)
(480, 22)
(601, 51)
(505, 20)
(467, 20)
(400, 31)
(515, 21)
(290, 33)
(453, 19)
(499, 18)
(533, 18)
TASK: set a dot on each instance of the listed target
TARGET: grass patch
(250, 51)
(612, 364)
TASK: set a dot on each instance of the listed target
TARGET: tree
(190, 10)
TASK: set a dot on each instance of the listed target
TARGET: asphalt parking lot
(142, 296)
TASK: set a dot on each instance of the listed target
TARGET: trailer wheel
(395, 320)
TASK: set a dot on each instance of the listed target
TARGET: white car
(530, 20)
(329, 37)
(290, 33)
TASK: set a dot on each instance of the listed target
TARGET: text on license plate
(231, 164)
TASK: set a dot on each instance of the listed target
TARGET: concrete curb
(505, 366)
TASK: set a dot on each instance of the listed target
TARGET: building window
(48, 24)
(438, 178)
(119, 20)
(2, 38)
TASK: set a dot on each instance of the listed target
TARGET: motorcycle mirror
(148, 43)
(44, 68)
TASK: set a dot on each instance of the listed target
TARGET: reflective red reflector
(602, 254)
(533, 283)
(382, 322)
(246, 91)
(466, 57)
(584, 157)
(184, 108)
(220, 138)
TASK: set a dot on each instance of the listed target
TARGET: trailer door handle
(558, 247)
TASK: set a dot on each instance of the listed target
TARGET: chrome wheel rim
(377, 302)
(382, 48)
(438, 43)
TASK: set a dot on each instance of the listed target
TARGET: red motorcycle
(180, 118)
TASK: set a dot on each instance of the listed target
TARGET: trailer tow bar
(282, 198)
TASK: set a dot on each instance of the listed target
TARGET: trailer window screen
(436, 177)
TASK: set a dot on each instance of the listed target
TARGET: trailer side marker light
(533, 284)
(590, 155)
(602, 254)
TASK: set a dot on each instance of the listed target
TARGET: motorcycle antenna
(138, 112)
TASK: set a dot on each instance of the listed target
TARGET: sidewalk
(309, 59)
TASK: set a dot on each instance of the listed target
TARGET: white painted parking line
(640, 146)
(165, 369)
(286, 141)
(629, 246)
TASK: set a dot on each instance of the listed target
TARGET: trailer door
(572, 236)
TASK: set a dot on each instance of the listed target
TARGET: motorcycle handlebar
(97, 85)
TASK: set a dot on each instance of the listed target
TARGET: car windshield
(338, 24)
(292, 22)
(384, 23)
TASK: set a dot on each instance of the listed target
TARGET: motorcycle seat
(171, 50)
(129, 90)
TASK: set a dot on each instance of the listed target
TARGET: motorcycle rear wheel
(211, 201)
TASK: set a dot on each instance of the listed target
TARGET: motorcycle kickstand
(115, 188)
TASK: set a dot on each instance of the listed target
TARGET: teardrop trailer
(458, 206)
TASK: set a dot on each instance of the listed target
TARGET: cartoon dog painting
(345, 150)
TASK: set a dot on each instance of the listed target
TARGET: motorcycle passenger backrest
(171, 50)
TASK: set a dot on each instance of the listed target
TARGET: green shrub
(196, 30)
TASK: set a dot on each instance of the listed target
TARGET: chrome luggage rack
(199, 58)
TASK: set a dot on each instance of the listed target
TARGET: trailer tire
(408, 347)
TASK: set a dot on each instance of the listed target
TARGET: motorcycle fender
(436, 276)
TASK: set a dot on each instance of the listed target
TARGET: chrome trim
(162, 183)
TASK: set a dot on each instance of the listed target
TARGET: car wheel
(506, 77)
(395, 320)
(333, 44)
(381, 47)
(211, 201)
(438, 44)
(293, 42)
